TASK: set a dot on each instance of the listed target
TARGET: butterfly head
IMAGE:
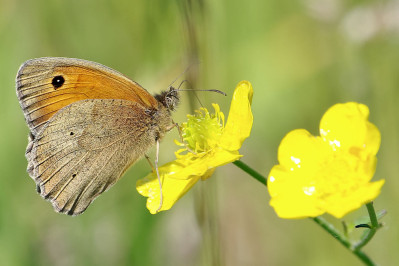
(170, 99)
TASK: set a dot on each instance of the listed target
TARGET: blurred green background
(301, 57)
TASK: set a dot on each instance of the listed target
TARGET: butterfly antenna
(181, 83)
(184, 72)
(217, 91)
(194, 90)
(189, 85)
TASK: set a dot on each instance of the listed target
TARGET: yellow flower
(209, 144)
(329, 173)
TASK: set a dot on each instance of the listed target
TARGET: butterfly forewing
(46, 85)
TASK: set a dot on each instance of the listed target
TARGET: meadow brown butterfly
(88, 123)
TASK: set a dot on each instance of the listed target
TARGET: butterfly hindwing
(85, 148)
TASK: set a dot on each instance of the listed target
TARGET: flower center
(202, 131)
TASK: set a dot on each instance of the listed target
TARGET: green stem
(363, 257)
(373, 229)
(332, 231)
(251, 172)
(355, 249)
(373, 215)
(343, 240)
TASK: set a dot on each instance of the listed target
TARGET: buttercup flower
(329, 173)
(208, 144)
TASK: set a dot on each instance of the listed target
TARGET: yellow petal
(301, 151)
(287, 196)
(239, 123)
(291, 184)
(199, 166)
(177, 178)
(339, 205)
(347, 126)
(208, 174)
(172, 189)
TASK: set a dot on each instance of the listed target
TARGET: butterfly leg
(149, 161)
(159, 178)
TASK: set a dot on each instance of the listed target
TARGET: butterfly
(88, 124)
